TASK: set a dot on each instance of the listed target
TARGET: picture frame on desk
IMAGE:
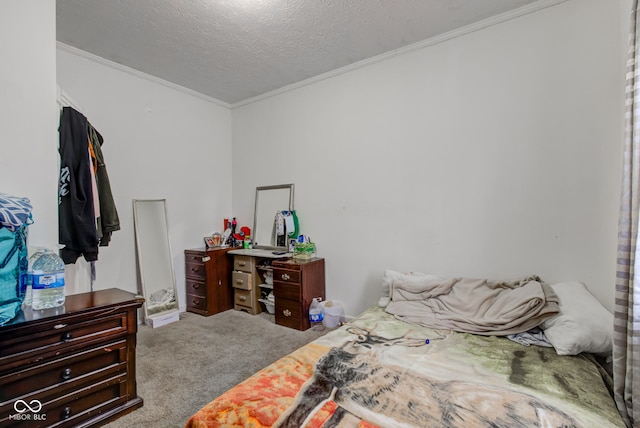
(209, 242)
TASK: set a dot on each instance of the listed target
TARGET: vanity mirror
(269, 201)
(154, 260)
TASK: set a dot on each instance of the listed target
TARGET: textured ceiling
(233, 50)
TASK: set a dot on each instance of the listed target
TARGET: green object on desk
(304, 250)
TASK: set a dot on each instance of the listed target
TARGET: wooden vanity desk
(295, 284)
(74, 365)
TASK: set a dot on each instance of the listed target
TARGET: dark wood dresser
(208, 280)
(295, 284)
(72, 366)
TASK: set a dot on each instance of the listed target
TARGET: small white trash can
(333, 313)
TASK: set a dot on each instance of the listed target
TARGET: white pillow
(582, 325)
(391, 275)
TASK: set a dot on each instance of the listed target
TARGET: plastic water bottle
(47, 285)
(316, 315)
(28, 295)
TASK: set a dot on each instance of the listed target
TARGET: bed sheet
(380, 371)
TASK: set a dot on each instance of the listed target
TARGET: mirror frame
(263, 189)
(141, 257)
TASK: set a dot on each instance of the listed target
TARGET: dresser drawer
(282, 290)
(286, 275)
(57, 338)
(195, 287)
(70, 409)
(196, 302)
(68, 372)
(244, 263)
(195, 270)
(288, 313)
(241, 280)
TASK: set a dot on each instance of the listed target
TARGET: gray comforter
(479, 306)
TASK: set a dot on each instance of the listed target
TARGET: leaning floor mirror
(155, 269)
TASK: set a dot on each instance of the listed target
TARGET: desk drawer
(196, 302)
(195, 270)
(244, 263)
(286, 275)
(288, 264)
(242, 280)
(283, 290)
(194, 257)
(288, 313)
(245, 297)
(197, 288)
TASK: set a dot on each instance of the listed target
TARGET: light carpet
(184, 365)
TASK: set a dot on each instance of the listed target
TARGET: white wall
(496, 154)
(28, 115)
(160, 142)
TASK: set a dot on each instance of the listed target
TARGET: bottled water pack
(47, 281)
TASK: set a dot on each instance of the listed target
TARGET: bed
(380, 370)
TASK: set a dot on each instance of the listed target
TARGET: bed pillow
(582, 325)
(391, 275)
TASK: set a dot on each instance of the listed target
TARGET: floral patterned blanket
(378, 371)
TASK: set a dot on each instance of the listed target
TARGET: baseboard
(163, 319)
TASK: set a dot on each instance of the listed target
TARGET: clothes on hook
(87, 214)
(286, 225)
(108, 220)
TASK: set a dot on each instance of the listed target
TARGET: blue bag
(13, 270)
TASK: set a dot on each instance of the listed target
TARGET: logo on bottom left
(27, 411)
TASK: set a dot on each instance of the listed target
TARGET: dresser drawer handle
(66, 413)
(242, 263)
(196, 302)
(239, 281)
(196, 286)
(286, 313)
(195, 269)
(243, 298)
(285, 277)
(66, 337)
(66, 374)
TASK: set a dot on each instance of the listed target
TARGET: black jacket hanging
(76, 215)
(108, 220)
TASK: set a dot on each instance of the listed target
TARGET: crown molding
(139, 74)
(459, 32)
